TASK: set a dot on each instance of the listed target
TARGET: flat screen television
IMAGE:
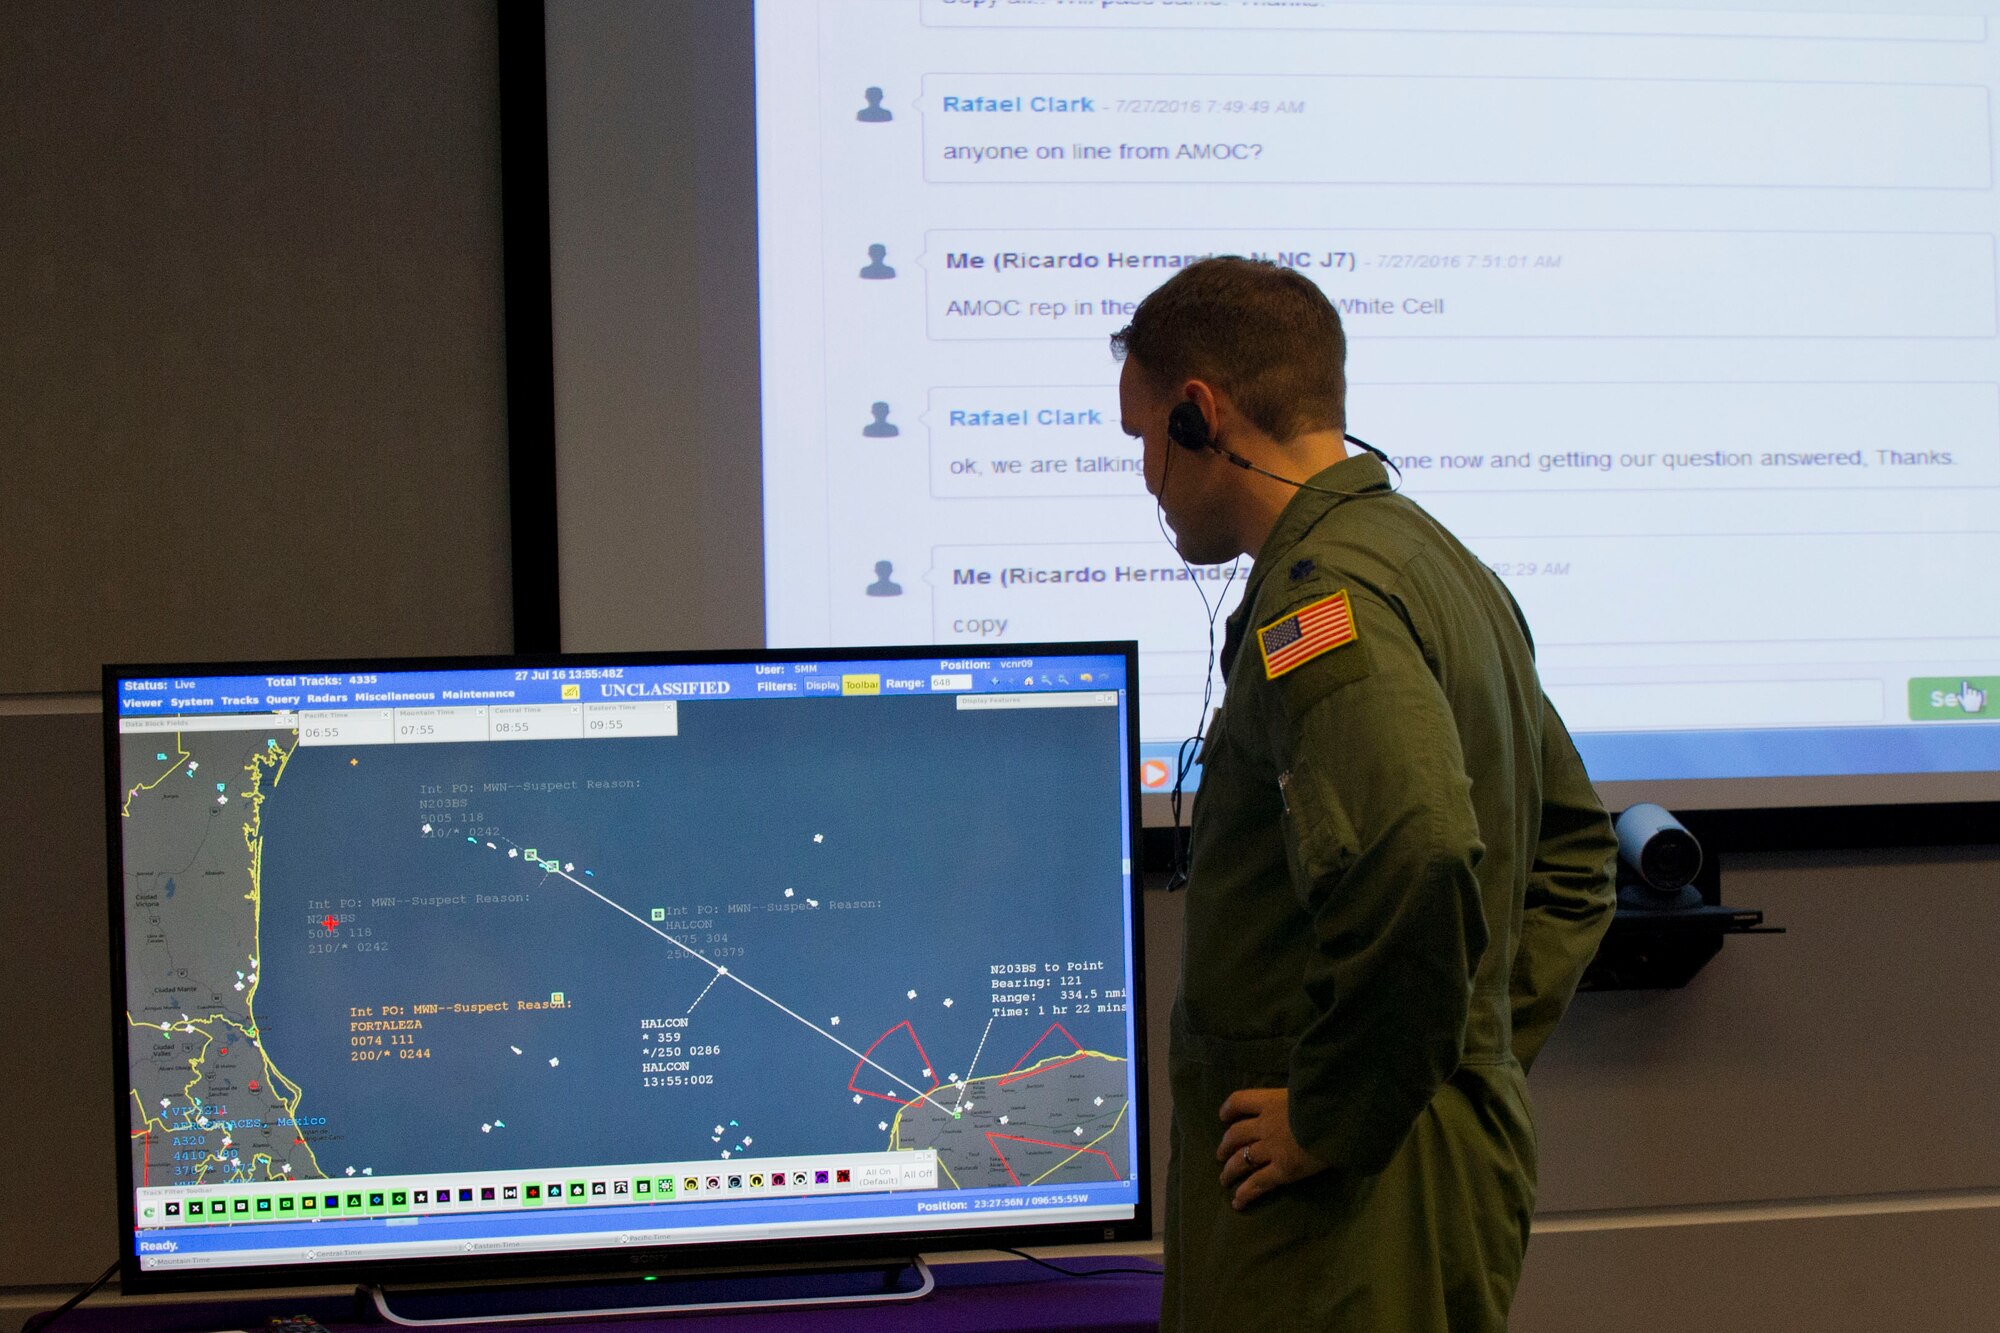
(455, 969)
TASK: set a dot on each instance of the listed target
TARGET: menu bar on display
(547, 702)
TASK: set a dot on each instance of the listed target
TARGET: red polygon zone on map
(863, 1067)
(1049, 1157)
(1012, 1075)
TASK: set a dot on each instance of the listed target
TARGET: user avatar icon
(881, 428)
(884, 586)
(874, 113)
(876, 268)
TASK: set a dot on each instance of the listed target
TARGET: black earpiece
(1187, 427)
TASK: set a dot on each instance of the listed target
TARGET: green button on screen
(1954, 698)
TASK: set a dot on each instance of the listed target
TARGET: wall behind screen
(653, 273)
(252, 348)
(253, 335)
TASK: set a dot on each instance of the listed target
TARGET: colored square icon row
(274, 1201)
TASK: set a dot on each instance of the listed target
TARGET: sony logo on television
(659, 688)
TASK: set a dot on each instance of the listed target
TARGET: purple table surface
(1011, 1296)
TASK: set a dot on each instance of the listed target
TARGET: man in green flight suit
(1398, 871)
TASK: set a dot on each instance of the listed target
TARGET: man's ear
(1212, 404)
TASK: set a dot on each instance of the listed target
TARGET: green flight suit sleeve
(1382, 841)
(1570, 893)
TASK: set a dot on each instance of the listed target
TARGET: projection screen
(1683, 317)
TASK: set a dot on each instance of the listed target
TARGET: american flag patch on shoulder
(1298, 638)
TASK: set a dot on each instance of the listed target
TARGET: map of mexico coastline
(209, 1100)
(761, 936)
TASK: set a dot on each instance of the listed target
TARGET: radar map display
(789, 928)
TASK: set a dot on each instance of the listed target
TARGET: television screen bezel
(610, 1260)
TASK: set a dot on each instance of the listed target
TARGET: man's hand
(1258, 1152)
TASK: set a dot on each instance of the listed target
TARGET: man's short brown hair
(1265, 335)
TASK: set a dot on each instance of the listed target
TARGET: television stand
(596, 1298)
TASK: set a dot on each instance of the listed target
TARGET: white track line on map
(721, 971)
(967, 1083)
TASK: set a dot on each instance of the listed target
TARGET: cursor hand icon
(1970, 697)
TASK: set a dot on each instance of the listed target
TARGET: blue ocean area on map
(923, 846)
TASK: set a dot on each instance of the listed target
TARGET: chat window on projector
(1682, 317)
